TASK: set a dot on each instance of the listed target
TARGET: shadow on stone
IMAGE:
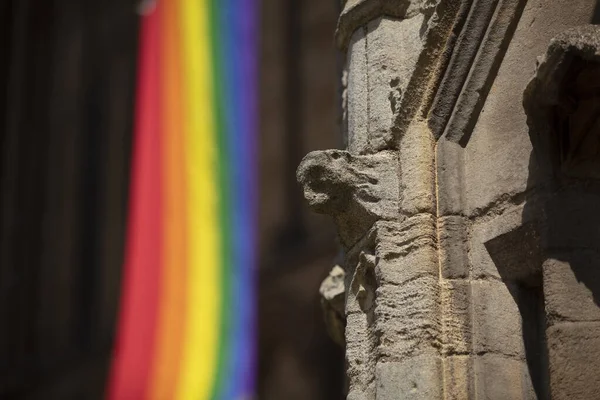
(562, 103)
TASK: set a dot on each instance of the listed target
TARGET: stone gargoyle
(355, 190)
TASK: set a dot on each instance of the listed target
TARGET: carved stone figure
(355, 190)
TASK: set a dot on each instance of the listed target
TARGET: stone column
(381, 194)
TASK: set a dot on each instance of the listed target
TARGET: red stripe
(134, 348)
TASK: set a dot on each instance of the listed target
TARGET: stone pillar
(381, 194)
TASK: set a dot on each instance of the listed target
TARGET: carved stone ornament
(355, 190)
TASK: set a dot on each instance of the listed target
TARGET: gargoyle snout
(320, 176)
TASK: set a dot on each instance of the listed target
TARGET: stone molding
(476, 57)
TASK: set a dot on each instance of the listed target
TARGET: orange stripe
(172, 308)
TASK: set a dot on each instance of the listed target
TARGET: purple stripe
(248, 24)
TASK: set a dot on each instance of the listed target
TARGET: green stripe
(224, 204)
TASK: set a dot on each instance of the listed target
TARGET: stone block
(497, 325)
(376, 83)
(360, 356)
(574, 355)
(450, 177)
(506, 246)
(501, 378)
(419, 260)
(417, 171)
(456, 317)
(518, 254)
(572, 287)
(393, 47)
(406, 250)
(454, 262)
(357, 92)
(458, 378)
(407, 319)
(413, 378)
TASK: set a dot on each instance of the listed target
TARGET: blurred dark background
(300, 112)
(67, 76)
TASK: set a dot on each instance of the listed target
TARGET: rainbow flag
(186, 326)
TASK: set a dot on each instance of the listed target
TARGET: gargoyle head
(355, 190)
(326, 177)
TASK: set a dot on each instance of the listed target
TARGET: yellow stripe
(200, 340)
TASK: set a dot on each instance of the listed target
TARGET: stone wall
(465, 198)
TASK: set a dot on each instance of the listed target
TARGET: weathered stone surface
(467, 44)
(333, 293)
(498, 377)
(497, 326)
(355, 190)
(361, 283)
(360, 357)
(417, 261)
(417, 171)
(393, 48)
(453, 242)
(459, 383)
(407, 250)
(377, 83)
(450, 178)
(358, 13)
(518, 253)
(572, 286)
(407, 319)
(456, 317)
(574, 351)
(413, 378)
(443, 212)
(498, 153)
(357, 92)
(507, 245)
(561, 102)
(498, 33)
